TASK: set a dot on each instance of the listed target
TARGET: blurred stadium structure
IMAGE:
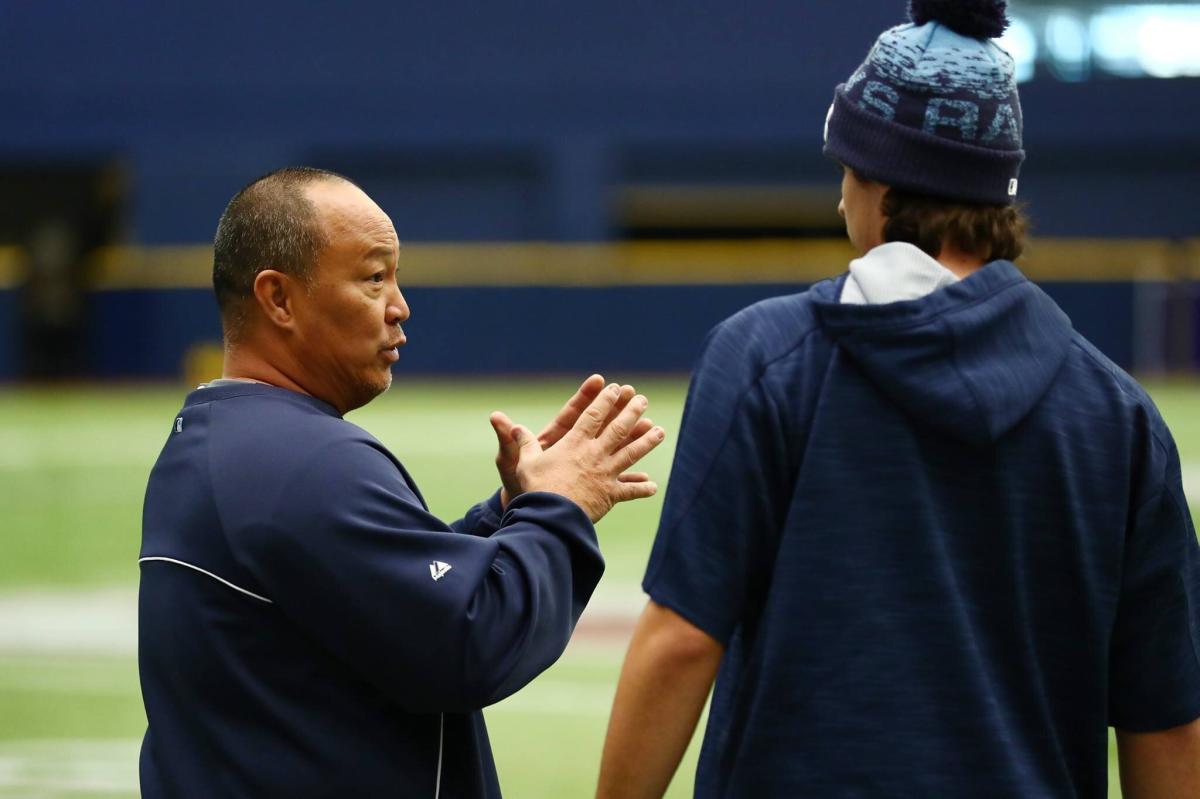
(658, 161)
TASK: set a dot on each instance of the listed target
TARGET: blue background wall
(519, 121)
(513, 120)
(482, 330)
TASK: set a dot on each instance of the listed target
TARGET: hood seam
(979, 409)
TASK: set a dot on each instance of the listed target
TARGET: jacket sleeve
(1154, 679)
(436, 620)
(482, 519)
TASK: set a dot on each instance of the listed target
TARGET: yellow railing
(650, 263)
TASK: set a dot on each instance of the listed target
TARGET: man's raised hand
(560, 425)
(588, 461)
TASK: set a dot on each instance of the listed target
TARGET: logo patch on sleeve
(437, 570)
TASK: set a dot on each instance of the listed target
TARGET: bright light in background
(1121, 39)
(1168, 43)
(1021, 43)
(1069, 45)
(1115, 41)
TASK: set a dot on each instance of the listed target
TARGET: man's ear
(274, 293)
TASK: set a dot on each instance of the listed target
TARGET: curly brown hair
(991, 232)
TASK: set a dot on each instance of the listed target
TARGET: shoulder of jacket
(1133, 393)
(769, 330)
(289, 434)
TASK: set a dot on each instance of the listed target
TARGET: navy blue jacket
(308, 629)
(944, 541)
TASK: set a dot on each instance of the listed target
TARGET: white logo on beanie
(828, 116)
(1012, 188)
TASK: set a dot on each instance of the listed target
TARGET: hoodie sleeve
(727, 493)
(436, 620)
(1155, 655)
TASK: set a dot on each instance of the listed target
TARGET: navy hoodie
(309, 629)
(944, 541)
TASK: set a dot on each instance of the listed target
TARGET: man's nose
(842, 208)
(397, 310)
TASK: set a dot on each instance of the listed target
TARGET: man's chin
(380, 387)
(369, 391)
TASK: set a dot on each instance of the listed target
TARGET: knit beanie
(934, 108)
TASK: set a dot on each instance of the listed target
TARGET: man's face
(348, 323)
(861, 207)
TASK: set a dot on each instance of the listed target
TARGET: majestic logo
(1012, 188)
(178, 424)
(437, 570)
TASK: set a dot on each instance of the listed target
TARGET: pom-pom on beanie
(934, 108)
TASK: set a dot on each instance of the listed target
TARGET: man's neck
(245, 364)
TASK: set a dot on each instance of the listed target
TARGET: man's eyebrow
(382, 250)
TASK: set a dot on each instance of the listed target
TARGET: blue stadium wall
(533, 122)
(520, 121)
(146, 334)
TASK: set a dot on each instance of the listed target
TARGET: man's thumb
(502, 425)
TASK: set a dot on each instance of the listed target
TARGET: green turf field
(73, 465)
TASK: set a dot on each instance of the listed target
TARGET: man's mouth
(392, 351)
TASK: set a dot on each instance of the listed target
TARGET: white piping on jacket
(210, 574)
(437, 788)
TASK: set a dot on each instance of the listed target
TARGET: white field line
(39, 768)
(1191, 481)
(104, 622)
(100, 622)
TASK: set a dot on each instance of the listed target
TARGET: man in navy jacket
(307, 627)
(935, 542)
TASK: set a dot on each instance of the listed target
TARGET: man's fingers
(640, 429)
(620, 428)
(591, 421)
(631, 454)
(569, 413)
(627, 393)
(637, 490)
(634, 477)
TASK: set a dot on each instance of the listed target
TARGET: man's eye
(377, 277)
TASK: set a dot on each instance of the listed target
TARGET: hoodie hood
(894, 272)
(972, 358)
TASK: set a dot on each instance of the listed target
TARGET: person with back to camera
(306, 627)
(926, 538)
